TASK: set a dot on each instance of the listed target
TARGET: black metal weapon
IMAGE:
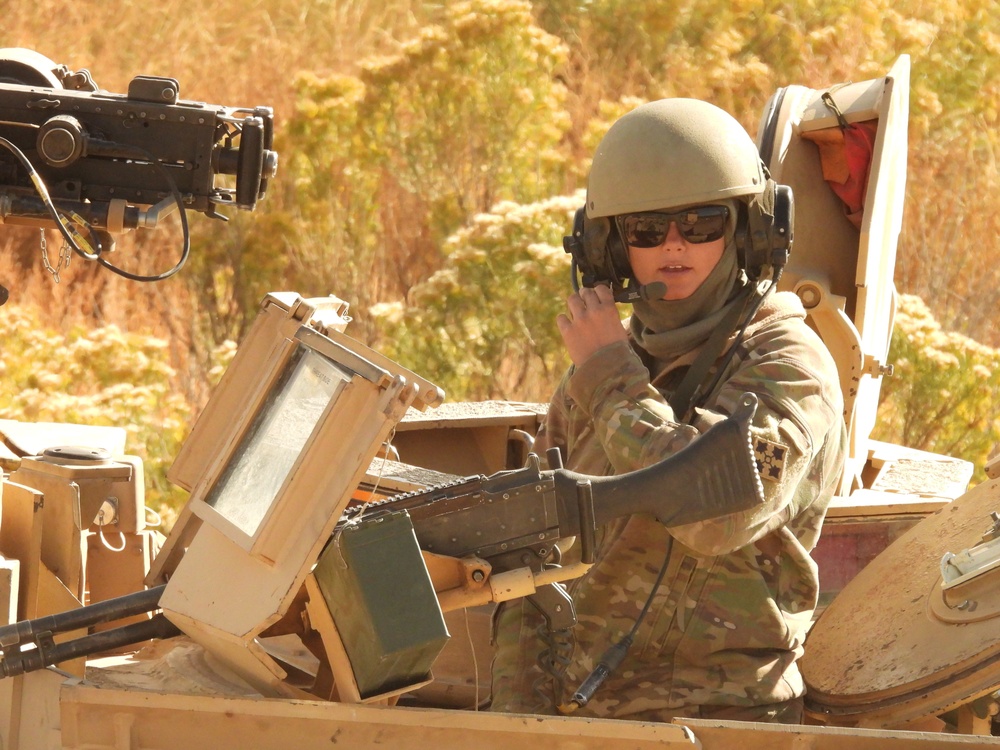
(512, 519)
(29, 645)
(93, 164)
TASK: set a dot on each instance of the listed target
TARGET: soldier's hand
(591, 323)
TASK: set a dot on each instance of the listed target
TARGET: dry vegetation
(429, 153)
(229, 53)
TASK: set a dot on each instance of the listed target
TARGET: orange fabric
(846, 157)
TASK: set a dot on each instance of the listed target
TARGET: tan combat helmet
(672, 153)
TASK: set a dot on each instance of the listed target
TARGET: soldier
(718, 610)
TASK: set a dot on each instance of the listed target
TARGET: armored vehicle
(330, 580)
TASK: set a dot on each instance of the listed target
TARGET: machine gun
(512, 519)
(93, 164)
(504, 523)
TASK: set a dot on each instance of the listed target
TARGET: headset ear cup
(598, 251)
(596, 235)
(783, 227)
(755, 232)
(573, 246)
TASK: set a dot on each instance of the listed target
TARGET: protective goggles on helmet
(697, 225)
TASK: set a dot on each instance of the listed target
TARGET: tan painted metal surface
(732, 735)
(879, 655)
(94, 719)
(843, 273)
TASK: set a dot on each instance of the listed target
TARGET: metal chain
(65, 254)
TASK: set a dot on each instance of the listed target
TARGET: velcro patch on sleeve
(770, 458)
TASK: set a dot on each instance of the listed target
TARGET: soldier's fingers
(575, 305)
(604, 293)
(590, 296)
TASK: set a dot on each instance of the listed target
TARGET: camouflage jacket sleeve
(781, 361)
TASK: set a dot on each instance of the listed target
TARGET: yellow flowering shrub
(389, 161)
(97, 376)
(484, 325)
(943, 393)
(404, 128)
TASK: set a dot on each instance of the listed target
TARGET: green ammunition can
(380, 595)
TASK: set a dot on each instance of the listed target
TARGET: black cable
(67, 231)
(612, 658)
(50, 206)
(656, 586)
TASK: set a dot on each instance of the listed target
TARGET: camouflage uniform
(727, 624)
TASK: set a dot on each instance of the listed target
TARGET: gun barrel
(29, 661)
(21, 208)
(83, 617)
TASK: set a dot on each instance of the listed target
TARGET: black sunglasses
(696, 225)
